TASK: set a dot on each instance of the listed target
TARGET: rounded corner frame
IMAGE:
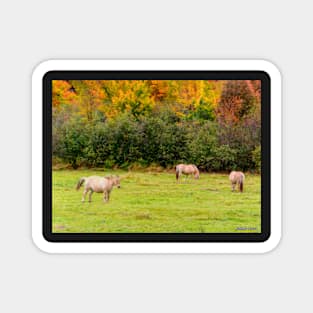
(156, 247)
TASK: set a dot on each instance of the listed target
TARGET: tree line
(213, 124)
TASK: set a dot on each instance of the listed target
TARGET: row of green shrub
(161, 139)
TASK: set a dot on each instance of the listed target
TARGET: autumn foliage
(214, 124)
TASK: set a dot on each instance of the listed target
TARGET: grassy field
(154, 202)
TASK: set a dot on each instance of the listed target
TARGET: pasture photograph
(156, 156)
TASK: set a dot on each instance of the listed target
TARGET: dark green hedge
(161, 139)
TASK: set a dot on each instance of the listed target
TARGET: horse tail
(80, 183)
(242, 178)
(177, 172)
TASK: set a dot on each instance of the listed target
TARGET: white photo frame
(156, 247)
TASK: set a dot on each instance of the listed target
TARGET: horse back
(97, 183)
(236, 177)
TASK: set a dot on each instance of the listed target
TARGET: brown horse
(98, 184)
(237, 178)
(187, 169)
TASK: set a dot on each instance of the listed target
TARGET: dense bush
(160, 139)
(71, 142)
(256, 156)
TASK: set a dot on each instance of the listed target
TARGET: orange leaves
(239, 99)
(62, 93)
(230, 100)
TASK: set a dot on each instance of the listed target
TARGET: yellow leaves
(132, 96)
(112, 97)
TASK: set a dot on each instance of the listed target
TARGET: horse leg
(90, 194)
(233, 187)
(105, 196)
(109, 192)
(84, 195)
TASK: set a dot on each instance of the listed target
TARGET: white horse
(98, 184)
(237, 178)
(187, 169)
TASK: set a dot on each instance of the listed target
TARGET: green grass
(154, 202)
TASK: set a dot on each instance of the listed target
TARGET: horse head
(117, 181)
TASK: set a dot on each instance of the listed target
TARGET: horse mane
(195, 167)
(113, 179)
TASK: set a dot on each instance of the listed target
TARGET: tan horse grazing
(98, 184)
(237, 178)
(187, 169)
